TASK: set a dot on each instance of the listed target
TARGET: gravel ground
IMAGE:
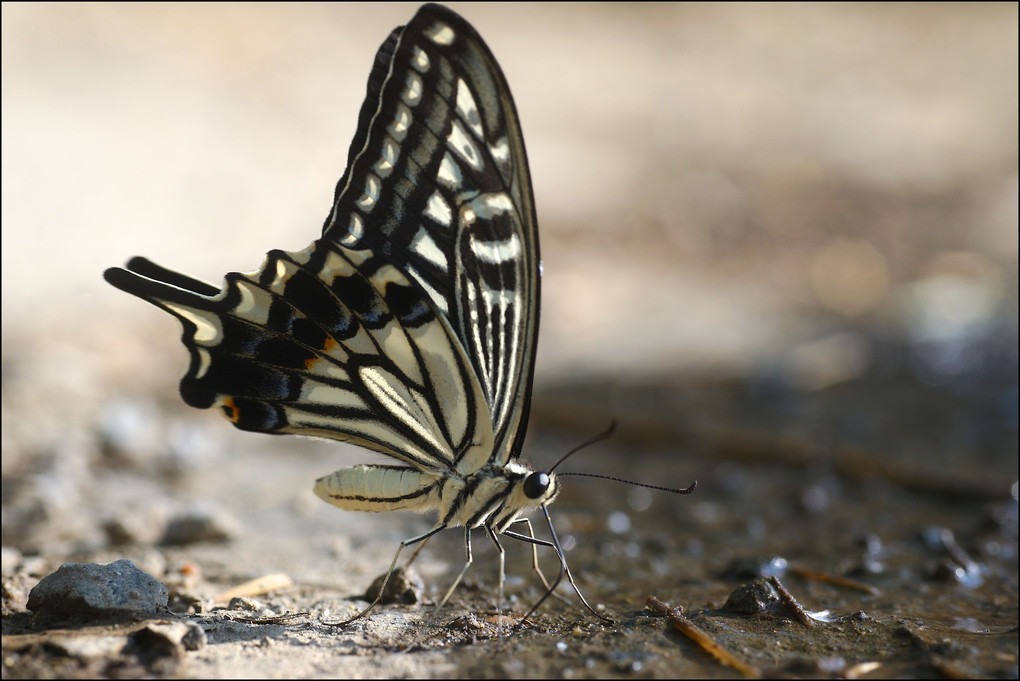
(812, 311)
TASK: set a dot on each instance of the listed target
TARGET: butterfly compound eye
(536, 484)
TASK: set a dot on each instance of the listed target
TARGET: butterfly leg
(564, 569)
(417, 551)
(548, 589)
(449, 592)
(382, 589)
(502, 572)
(535, 543)
(435, 613)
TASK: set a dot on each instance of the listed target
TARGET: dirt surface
(780, 249)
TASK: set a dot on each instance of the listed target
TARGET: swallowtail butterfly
(409, 327)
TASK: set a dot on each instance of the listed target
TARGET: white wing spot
(500, 150)
(355, 231)
(425, 246)
(490, 205)
(420, 60)
(449, 173)
(383, 168)
(367, 200)
(401, 122)
(464, 146)
(439, 210)
(253, 306)
(412, 93)
(497, 252)
(441, 34)
(436, 297)
(468, 109)
(208, 329)
(204, 362)
(391, 150)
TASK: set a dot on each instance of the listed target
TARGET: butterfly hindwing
(323, 342)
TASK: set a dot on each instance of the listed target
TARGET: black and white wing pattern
(409, 327)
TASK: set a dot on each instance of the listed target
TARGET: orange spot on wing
(327, 348)
(230, 409)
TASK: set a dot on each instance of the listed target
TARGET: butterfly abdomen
(378, 489)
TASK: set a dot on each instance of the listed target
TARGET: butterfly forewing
(438, 185)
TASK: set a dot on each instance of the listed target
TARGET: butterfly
(409, 326)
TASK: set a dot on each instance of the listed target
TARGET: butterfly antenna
(598, 438)
(605, 436)
(675, 490)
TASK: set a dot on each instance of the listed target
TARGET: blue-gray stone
(93, 588)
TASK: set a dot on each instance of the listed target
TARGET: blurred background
(718, 187)
(793, 221)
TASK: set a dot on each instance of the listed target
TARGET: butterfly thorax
(496, 496)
